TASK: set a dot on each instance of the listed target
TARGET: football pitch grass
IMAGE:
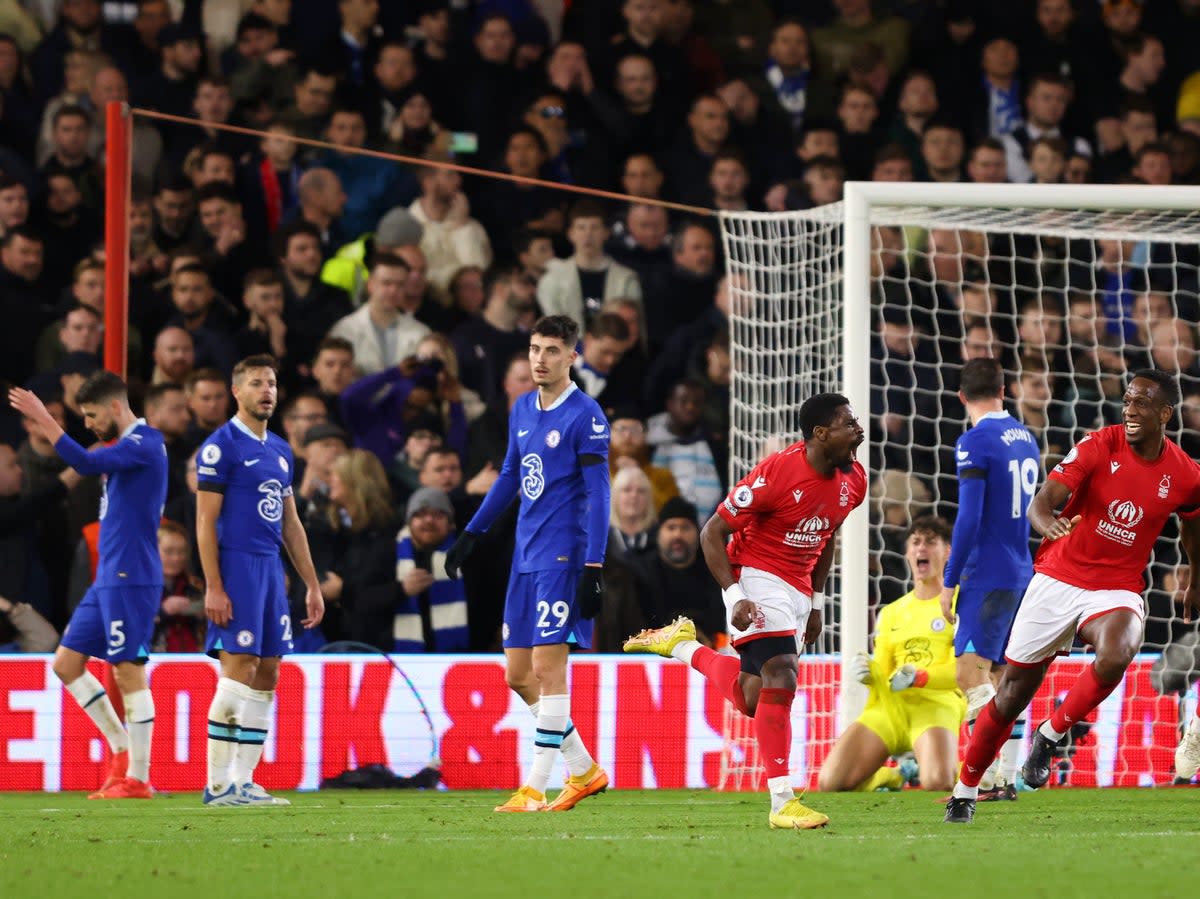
(1058, 843)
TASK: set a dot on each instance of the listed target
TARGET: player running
(998, 463)
(557, 461)
(115, 619)
(782, 517)
(1119, 485)
(913, 703)
(244, 512)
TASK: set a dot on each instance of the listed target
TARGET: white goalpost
(884, 295)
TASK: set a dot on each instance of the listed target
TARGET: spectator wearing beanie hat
(431, 608)
(675, 580)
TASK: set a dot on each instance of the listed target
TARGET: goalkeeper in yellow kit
(914, 702)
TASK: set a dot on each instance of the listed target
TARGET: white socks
(780, 789)
(139, 713)
(685, 650)
(90, 695)
(253, 723)
(1007, 772)
(1049, 732)
(575, 755)
(962, 791)
(554, 714)
(977, 698)
(224, 720)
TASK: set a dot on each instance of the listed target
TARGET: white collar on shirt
(537, 400)
(1002, 413)
(245, 429)
(129, 430)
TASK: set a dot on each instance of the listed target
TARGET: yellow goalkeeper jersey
(912, 631)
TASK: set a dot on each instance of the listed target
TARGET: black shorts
(756, 653)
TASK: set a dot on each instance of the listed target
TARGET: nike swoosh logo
(551, 633)
(113, 652)
(522, 433)
(249, 462)
(963, 455)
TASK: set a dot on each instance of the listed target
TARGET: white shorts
(1052, 612)
(782, 609)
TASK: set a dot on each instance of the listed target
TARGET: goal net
(884, 297)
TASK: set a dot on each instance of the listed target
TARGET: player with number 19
(1117, 487)
(245, 512)
(557, 463)
(998, 465)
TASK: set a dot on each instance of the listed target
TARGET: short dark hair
(1169, 386)
(261, 360)
(340, 344)
(981, 379)
(83, 307)
(561, 327)
(525, 238)
(71, 110)
(933, 525)
(585, 209)
(192, 268)
(439, 451)
(25, 232)
(282, 238)
(391, 260)
(608, 324)
(200, 375)
(819, 411)
(156, 392)
(261, 277)
(100, 387)
(218, 190)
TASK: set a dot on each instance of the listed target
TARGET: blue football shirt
(1004, 454)
(544, 450)
(134, 471)
(255, 475)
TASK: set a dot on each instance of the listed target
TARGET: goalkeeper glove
(908, 676)
(462, 548)
(860, 667)
(589, 594)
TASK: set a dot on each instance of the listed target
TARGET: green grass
(668, 843)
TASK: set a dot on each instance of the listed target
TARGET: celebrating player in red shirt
(782, 517)
(1120, 485)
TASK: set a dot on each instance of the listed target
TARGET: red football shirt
(1124, 501)
(783, 513)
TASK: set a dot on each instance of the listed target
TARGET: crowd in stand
(396, 297)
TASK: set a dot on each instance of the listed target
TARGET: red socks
(773, 723)
(723, 671)
(986, 739)
(1085, 694)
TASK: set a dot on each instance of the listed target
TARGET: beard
(109, 433)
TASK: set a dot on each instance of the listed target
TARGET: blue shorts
(261, 624)
(985, 618)
(114, 623)
(540, 610)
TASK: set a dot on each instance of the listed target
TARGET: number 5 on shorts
(116, 636)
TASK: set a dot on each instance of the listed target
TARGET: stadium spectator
(323, 443)
(310, 306)
(265, 331)
(208, 319)
(383, 331)
(579, 285)
(312, 98)
(487, 436)
(166, 408)
(350, 266)
(988, 163)
(431, 612)
(301, 413)
(681, 446)
(180, 624)
(674, 580)
(333, 371)
(942, 152)
(14, 204)
(207, 392)
(450, 238)
(389, 87)
(690, 158)
(632, 516)
(641, 240)
(855, 26)
(686, 291)
(506, 208)
(628, 449)
(22, 629)
(174, 356)
(1045, 109)
(917, 106)
(79, 331)
(360, 582)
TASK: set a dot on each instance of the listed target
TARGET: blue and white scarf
(447, 604)
(792, 91)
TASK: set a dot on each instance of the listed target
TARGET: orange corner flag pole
(118, 128)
